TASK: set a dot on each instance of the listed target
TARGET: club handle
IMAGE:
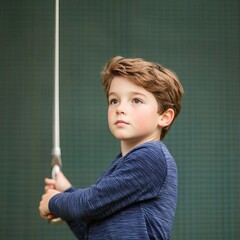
(55, 170)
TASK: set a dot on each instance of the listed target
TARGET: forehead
(121, 84)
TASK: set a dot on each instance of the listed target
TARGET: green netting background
(197, 39)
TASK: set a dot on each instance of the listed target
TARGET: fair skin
(133, 118)
(52, 187)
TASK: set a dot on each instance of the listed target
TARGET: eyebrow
(131, 93)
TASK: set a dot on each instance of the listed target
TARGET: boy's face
(132, 113)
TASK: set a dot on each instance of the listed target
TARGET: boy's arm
(76, 226)
(137, 179)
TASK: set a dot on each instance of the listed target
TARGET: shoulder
(148, 157)
(154, 151)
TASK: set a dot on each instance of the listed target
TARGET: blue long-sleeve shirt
(134, 199)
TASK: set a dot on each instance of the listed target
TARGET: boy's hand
(61, 183)
(52, 187)
(43, 205)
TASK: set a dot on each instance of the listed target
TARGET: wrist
(70, 189)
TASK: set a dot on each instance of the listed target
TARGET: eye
(113, 101)
(137, 101)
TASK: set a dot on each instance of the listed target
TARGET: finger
(48, 187)
(49, 181)
(41, 213)
(50, 216)
(43, 216)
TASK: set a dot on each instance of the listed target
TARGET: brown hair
(160, 81)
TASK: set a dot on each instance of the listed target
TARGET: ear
(166, 118)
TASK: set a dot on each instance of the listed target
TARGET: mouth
(120, 122)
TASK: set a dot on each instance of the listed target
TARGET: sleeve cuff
(71, 189)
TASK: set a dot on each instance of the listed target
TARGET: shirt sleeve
(76, 226)
(138, 177)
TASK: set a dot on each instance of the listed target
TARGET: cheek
(141, 120)
(110, 115)
(145, 120)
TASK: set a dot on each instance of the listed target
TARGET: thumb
(62, 183)
(60, 176)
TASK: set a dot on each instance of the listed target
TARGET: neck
(127, 146)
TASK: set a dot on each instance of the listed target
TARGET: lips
(120, 122)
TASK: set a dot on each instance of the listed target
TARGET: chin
(120, 137)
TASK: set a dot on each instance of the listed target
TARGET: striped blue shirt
(135, 199)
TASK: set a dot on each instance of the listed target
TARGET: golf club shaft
(56, 151)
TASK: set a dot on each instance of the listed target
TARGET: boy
(136, 197)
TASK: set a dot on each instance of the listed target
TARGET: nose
(121, 109)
